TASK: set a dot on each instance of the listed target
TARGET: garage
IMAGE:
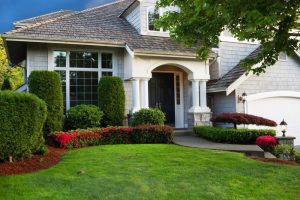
(277, 106)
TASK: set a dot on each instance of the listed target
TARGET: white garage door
(278, 108)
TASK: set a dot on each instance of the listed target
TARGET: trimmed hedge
(111, 98)
(145, 134)
(22, 117)
(120, 135)
(230, 135)
(242, 118)
(83, 116)
(148, 116)
(47, 86)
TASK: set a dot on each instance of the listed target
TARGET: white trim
(236, 84)
(129, 51)
(265, 95)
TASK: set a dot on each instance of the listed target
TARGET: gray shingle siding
(231, 53)
(37, 57)
(134, 18)
(283, 76)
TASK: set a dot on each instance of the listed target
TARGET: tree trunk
(235, 126)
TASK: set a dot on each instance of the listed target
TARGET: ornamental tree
(275, 24)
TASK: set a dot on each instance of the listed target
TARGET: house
(119, 39)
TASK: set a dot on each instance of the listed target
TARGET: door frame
(179, 108)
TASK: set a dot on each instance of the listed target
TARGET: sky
(14, 10)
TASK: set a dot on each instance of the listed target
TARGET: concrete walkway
(190, 140)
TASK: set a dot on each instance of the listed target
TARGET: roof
(42, 18)
(99, 24)
(230, 77)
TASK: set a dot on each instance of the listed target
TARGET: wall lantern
(283, 127)
(242, 98)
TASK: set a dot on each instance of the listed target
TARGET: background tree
(275, 24)
(15, 74)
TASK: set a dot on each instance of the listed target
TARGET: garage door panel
(278, 108)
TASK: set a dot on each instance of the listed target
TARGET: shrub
(90, 137)
(297, 156)
(47, 86)
(111, 100)
(145, 134)
(266, 142)
(148, 116)
(42, 150)
(22, 118)
(6, 84)
(230, 135)
(83, 116)
(101, 136)
(284, 152)
(241, 118)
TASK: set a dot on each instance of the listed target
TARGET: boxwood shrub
(111, 98)
(230, 135)
(83, 116)
(148, 116)
(47, 86)
(22, 118)
(148, 134)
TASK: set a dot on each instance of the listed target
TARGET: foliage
(200, 23)
(284, 151)
(42, 150)
(111, 100)
(22, 118)
(241, 118)
(145, 134)
(148, 116)
(47, 86)
(83, 116)
(15, 74)
(113, 135)
(90, 137)
(229, 135)
(297, 156)
(266, 142)
(6, 84)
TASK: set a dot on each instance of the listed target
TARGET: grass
(155, 172)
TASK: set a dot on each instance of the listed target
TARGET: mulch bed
(276, 161)
(35, 163)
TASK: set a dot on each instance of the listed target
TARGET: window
(153, 15)
(80, 72)
(84, 59)
(60, 58)
(83, 88)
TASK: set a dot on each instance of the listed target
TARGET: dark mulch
(277, 161)
(35, 163)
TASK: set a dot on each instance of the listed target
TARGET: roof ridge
(61, 17)
(44, 15)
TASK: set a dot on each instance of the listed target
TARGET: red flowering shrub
(120, 135)
(241, 118)
(266, 142)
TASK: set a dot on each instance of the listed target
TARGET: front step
(182, 132)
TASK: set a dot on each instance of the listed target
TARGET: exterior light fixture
(283, 127)
(242, 98)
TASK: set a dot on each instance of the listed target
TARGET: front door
(161, 95)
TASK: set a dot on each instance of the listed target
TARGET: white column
(203, 101)
(195, 92)
(136, 95)
(144, 93)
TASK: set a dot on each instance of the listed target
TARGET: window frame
(161, 11)
(67, 69)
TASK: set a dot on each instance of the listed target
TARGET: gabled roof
(38, 19)
(230, 77)
(98, 25)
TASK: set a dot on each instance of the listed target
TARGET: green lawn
(155, 172)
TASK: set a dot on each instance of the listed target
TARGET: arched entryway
(166, 92)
